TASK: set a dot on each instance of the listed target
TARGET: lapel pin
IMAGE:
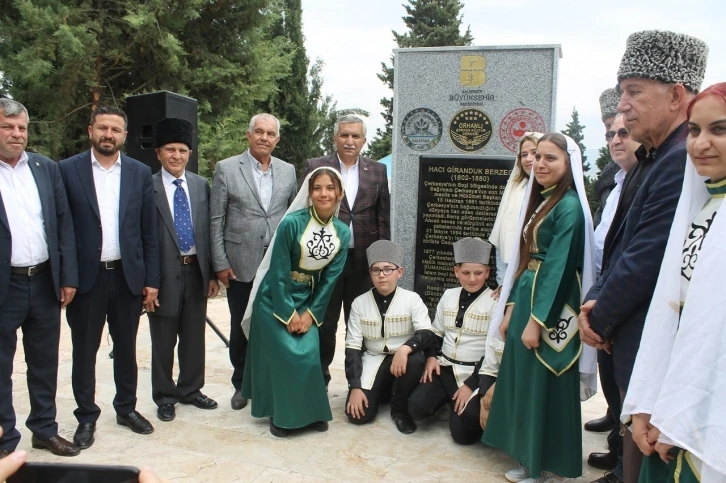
(37, 163)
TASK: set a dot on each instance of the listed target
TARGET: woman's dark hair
(536, 198)
(333, 176)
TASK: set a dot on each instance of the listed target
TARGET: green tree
(603, 159)
(431, 23)
(61, 58)
(576, 131)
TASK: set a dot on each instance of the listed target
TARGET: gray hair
(349, 119)
(11, 108)
(263, 115)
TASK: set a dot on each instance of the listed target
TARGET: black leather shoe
(601, 425)
(608, 477)
(603, 461)
(56, 445)
(4, 453)
(84, 435)
(404, 422)
(136, 422)
(166, 412)
(203, 402)
(238, 402)
(278, 431)
(320, 426)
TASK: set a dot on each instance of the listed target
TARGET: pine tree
(431, 23)
(63, 57)
(576, 131)
(603, 159)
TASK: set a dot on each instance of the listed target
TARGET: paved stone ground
(230, 446)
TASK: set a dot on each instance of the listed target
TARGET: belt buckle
(107, 266)
(30, 270)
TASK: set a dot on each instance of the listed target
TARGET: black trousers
(428, 398)
(188, 326)
(612, 396)
(31, 305)
(387, 387)
(632, 456)
(354, 281)
(238, 295)
(108, 300)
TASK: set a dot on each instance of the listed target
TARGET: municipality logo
(421, 129)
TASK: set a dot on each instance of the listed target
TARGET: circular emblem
(421, 129)
(470, 130)
(518, 122)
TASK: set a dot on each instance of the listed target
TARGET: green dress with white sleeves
(283, 377)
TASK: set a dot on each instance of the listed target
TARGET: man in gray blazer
(187, 278)
(250, 194)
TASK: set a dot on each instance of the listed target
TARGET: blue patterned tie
(182, 218)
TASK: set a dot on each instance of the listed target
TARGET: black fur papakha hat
(666, 57)
(609, 103)
(173, 130)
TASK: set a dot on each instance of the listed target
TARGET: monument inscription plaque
(459, 196)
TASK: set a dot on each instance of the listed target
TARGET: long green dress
(283, 376)
(535, 414)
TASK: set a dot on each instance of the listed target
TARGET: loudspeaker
(144, 111)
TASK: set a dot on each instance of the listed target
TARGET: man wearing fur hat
(393, 325)
(659, 74)
(606, 179)
(187, 277)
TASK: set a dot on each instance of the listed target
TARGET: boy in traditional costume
(461, 325)
(393, 325)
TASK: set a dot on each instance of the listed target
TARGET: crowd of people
(631, 289)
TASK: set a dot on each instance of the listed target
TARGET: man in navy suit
(38, 276)
(111, 197)
(659, 74)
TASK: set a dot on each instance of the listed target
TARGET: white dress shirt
(611, 206)
(263, 182)
(25, 214)
(170, 188)
(350, 185)
(108, 194)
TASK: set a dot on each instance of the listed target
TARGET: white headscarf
(302, 200)
(499, 238)
(679, 377)
(588, 358)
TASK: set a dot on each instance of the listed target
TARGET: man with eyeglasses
(622, 150)
(394, 327)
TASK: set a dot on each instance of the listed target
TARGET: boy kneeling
(393, 325)
(461, 324)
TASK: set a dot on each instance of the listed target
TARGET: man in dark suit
(38, 276)
(187, 278)
(366, 210)
(111, 197)
(250, 194)
(656, 91)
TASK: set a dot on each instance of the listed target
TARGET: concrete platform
(223, 445)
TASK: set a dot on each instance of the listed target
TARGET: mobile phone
(70, 473)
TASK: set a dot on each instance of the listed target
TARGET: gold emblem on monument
(472, 71)
(470, 130)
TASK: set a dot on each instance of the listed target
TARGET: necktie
(182, 218)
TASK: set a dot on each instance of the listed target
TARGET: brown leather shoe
(56, 445)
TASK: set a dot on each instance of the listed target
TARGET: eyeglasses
(622, 133)
(385, 271)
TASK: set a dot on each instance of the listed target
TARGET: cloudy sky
(353, 37)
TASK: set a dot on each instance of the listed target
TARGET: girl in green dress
(677, 393)
(283, 376)
(535, 412)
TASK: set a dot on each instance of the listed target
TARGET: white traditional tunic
(406, 314)
(465, 344)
